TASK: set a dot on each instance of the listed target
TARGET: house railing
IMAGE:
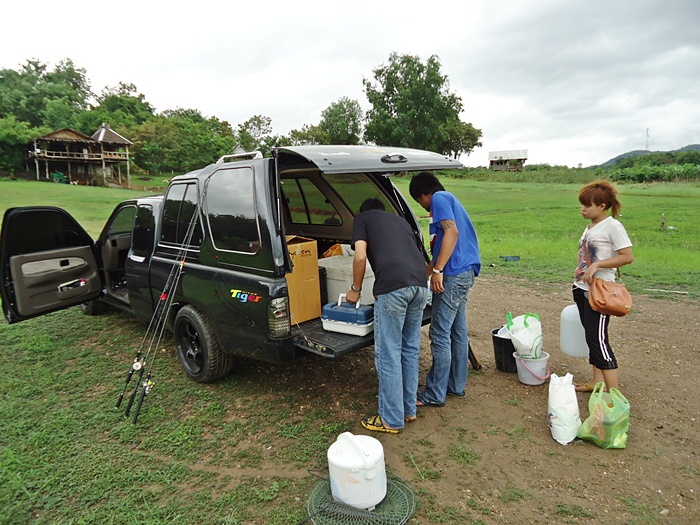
(75, 155)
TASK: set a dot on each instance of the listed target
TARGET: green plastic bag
(609, 418)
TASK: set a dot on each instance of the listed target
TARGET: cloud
(571, 82)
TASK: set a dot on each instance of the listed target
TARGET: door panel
(47, 281)
(47, 263)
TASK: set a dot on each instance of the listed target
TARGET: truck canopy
(363, 159)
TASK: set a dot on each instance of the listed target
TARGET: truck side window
(122, 222)
(180, 204)
(142, 237)
(231, 210)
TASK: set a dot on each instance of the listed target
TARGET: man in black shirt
(400, 288)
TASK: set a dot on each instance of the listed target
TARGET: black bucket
(503, 353)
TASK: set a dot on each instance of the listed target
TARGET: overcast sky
(571, 82)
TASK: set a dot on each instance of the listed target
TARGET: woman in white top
(608, 247)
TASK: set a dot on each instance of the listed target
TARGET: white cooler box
(339, 278)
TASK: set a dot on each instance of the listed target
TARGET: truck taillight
(278, 317)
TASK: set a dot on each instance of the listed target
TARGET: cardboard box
(339, 278)
(303, 283)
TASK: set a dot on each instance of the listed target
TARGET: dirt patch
(490, 457)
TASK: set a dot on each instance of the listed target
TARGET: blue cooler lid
(348, 312)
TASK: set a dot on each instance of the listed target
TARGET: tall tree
(341, 122)
(122, 107)
(307, 135)
(15, 136)
(34, 95)
(253, 133)
(412, 106)
(181, 140)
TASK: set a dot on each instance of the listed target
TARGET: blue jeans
(449, 340)
(397, 320)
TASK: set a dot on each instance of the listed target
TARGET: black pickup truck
(225, 227)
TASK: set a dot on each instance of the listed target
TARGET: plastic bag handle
(617, 397)
(598, 390)
(340, 300)
(530, 315)
(509, 318)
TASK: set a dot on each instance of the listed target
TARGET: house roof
(65, 135)
(108, 135)
(518, 154)
(105, 135)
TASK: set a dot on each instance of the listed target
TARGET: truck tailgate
(311, 336)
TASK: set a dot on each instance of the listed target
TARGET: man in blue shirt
(455, 264)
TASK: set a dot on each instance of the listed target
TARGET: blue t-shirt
(445, 206)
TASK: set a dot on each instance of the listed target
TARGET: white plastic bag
(526, 333)
(562, 410)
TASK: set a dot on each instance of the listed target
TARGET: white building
(511, 160)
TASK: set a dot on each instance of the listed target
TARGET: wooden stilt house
(69, 156)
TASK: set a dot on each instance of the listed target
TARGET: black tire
(197, 347)
(93, 307)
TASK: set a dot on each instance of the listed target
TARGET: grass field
(66, 457)
(540, 223)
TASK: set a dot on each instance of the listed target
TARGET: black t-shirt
(392, 251)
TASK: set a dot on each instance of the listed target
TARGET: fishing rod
(153, 328)
(156, 328)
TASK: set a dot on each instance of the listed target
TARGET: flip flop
(376, 424)
(420, 403)
(409, 419)
(583, 387)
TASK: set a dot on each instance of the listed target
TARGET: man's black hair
(424, 183)
(372, 204)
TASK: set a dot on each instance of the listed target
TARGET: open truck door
(47, 263)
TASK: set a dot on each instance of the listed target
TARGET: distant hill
(640, 152)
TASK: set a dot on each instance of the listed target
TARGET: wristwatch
(435, 270)
(352, 287)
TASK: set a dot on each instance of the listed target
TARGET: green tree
(181, 140)
(460, 137)
(413, 107)
(341, 122)
(122, 107)
(307, 135)
(688, 157)
(15, 137)
(59, 114)
(253, 132)
(41, 97)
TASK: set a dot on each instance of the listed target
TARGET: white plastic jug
(572, 338)
(357, 471)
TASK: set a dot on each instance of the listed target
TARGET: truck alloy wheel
(197, 347)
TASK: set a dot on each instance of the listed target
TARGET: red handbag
(608, 297)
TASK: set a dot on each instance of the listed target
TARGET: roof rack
(240, 156)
